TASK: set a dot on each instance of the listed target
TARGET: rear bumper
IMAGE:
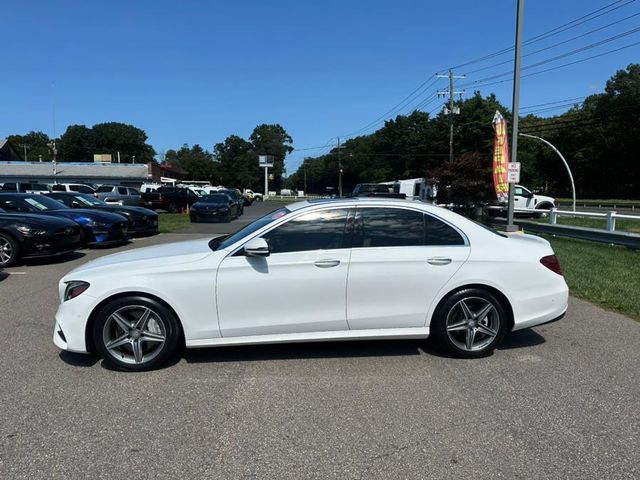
(541, 309)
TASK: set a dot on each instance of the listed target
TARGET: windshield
(90, 200)
(38, 203)
(221, 243)
(217, 198)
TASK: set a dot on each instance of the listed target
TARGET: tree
(272, 140)
(238, 163)
(77, 144)
(36, 143)
(114, 137)
(197, 162)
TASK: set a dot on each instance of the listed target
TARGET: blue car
(97, 228)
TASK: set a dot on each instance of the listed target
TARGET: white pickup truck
(525, 199)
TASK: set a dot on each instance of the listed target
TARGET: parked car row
(59, 222)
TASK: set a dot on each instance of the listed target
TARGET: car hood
(136, 211)
(156, 256)
(38, 221)
(76, 213)
(543, 198)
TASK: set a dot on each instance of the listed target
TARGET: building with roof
(132, 175)
(8, 153)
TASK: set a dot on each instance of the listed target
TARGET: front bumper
(209, 215)
(55, 243)
(114, 234)
(143, 225)
(71, 323)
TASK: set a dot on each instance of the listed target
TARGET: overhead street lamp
(573, 186)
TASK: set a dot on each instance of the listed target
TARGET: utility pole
(516, 108)
(339, 170)
(305, 180)
(452, 110)
(24, 147)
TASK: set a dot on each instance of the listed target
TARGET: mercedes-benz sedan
(330, 270)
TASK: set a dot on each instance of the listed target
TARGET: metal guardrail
(626, 239)
(610, 217)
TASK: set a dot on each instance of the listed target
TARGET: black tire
(172, 208)
(544, 206)
(122, 358)
(227, 218)
(450, 325)
(10, 250)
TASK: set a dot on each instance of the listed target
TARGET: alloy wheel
(134, 334)
(6, 251)
(472, 323)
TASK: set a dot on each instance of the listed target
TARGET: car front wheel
(135, 333)
(9, 250)
(470, 323)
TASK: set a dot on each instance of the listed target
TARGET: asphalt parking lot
(558, 401)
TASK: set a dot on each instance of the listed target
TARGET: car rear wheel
(135, 333)
(9, 250)
(172, 208)
(470, 323)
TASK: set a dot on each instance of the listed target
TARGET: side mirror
(257, 247)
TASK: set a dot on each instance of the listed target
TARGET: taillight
(552, 263)
(74, 288)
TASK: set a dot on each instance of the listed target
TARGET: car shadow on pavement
(293, 351)
(3, 275)
(520, 339)
(52, 260)
(79, 359)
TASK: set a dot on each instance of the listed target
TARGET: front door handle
(327, 263)
(439, 261)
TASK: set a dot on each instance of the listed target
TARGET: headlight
(27, 230)
(74, 288)
(94, 224)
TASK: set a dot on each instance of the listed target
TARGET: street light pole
(339, 171)
(573, 186)
(516, 108)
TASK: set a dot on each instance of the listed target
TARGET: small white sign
(513, 172)
(265, 161)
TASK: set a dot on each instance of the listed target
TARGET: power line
(567, 26)
(553, 103)
(555, 44)
(405, 101)
(561, 66)
(558, 57)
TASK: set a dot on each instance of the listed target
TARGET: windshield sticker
(34, 203)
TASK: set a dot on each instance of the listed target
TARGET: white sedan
(351, 269)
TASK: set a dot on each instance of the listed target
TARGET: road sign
(265, 161)
(513, 172)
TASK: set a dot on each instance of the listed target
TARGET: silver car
(119, 195)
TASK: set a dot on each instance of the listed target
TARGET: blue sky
(197, 71)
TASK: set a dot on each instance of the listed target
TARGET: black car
(142, 221)
(236, 197)
(97, 228)
(216, 206)
(27, 236)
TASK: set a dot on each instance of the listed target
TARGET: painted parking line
(16, 273)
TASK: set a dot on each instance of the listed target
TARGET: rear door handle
(439, 261)
(327, 263)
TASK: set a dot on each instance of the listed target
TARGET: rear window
(105, 188)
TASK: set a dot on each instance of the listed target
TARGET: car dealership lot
(557, 401)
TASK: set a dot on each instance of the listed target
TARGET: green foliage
(195, 161)
(79, 143)
(36, 144)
